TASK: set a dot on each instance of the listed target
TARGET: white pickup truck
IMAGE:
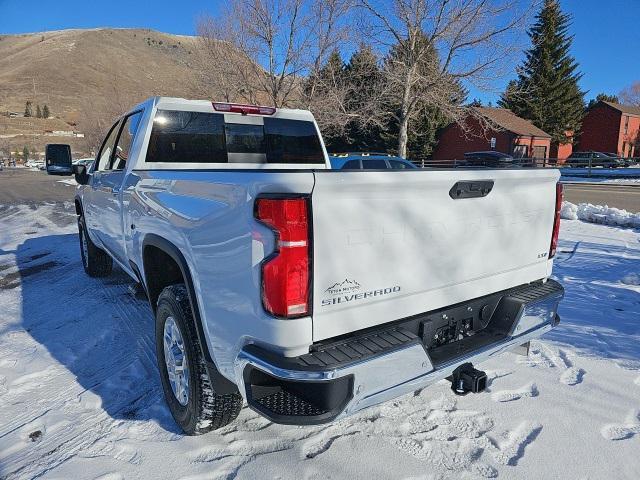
(307, 292)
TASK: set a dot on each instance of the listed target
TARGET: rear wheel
(195, 406)
(96, 262)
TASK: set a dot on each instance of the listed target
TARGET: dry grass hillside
(88, 76)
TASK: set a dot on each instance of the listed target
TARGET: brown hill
(88, 76)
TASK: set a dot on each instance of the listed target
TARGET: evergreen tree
(38, 112)
(28, 111)
(547, 92)
(363, 76)
(603, 97)
(45, 111)
(25, 154)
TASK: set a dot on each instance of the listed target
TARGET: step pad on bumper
(345, 374)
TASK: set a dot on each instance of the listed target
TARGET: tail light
(556, 221)
(243, 109)
(286, 273)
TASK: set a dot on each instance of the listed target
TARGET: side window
(352, 165)
(374, 164)
(104, 156)
(396, 165)
(125, 140)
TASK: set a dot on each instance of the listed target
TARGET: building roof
(509, 121)
(628, 109)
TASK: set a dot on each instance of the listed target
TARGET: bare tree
(270, 38)
(437, 46)
(262, 50)
(94, 123)
(631, 95)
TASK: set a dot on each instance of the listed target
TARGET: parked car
(488, 159)
(83, 161)
(594, 159)
(307, 292)
(57, 157)
(369, 161)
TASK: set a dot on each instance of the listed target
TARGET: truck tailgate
(388, 245)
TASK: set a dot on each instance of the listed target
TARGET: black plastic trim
(221, 384)
(322, 401)
(471, 189)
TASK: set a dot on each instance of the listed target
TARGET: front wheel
(193, 403)
(96, 262)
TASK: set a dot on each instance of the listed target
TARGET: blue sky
(607, 34)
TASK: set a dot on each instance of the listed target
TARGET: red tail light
(286, 274)
(243, 109)
(556, 221)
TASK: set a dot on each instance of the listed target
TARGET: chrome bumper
(409, 368)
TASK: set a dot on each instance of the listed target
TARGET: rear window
(200, 137)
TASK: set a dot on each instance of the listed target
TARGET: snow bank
(602, 214)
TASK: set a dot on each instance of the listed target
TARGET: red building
(611, 128)
(503, 131)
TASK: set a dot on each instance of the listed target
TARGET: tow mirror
(80, 172)
(57, 159)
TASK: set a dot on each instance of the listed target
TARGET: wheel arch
(175, 269)
(78, 205)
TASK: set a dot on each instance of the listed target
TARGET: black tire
(96, 262)
(205, 410)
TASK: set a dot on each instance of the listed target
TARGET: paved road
(626, 197)
(24, 186)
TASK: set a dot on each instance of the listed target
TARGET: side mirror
(80, 172)
(57, 159)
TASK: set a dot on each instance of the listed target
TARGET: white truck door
(106, 187)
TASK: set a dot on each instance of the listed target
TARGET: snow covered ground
(80, 396)
(602, 214)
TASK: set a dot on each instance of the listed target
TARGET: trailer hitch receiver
(465, 379)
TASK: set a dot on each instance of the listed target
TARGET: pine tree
(45, 111)
(38, 112)
(547, 91)
(28, 111)
(363, 75)
(25, 154)
(603, 97)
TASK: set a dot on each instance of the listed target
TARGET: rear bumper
(366, 369)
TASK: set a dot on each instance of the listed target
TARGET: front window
(125, 140)
(104, 157)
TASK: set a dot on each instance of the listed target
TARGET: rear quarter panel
(208, 216)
